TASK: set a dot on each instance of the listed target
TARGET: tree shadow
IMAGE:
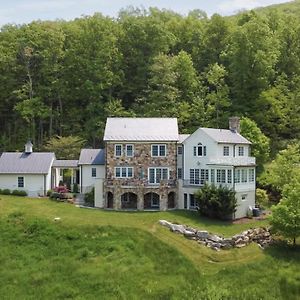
(281, 250)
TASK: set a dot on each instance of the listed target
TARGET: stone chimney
(234, 124)
(28, 147)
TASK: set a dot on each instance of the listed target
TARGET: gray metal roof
(183, 137)
(65, 163)
(141, 129)
(225, 136)
(22, 163)
(92, 157)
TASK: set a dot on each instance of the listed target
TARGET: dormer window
(200, 150)
(241, 151)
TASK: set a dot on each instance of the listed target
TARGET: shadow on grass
(284, 251)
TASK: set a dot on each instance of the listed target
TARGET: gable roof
(65, 163)
(183, 137)
(141, 129)
(92, 157)
(23, 163)
(225, 136)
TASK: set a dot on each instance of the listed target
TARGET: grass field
(95, 254)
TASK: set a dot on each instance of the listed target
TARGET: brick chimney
(234, 124)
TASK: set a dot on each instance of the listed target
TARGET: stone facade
(139, 184)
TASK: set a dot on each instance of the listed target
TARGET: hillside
(291, 8)
(127, 255)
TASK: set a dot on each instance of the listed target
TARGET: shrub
(6, 192)
(61, 189)
(89, 198)
(49, 193)
(262, 198)
(216, 202)
(55, 195)
(19, 193)
(75, 188)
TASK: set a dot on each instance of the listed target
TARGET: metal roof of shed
(23, 163)
(92, 157)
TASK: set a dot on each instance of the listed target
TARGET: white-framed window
(226, 151)
(241, 151)
(155, 175)
(192, 201)
(118, 150)
(229, 176)
(198, 176)
(21, 182)
(179, 173)
(221, 176)
(200, 150)
(129, 150)
(158, 150)
(237, 176)
(179, 150)
(251, 175)
(244, 175)
(212, 175)
(123, 172)
(94, 172)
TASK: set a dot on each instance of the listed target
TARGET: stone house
(141, 163)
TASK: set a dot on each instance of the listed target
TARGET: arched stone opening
(129, 201)
(171, 200)
(110, 199)
(151, 201)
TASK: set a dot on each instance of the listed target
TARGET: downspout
(45, 192)
(81, 179)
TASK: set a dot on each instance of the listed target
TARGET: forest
(64, 78)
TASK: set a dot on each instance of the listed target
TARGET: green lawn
(95, 254)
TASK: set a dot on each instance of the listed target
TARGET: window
(198, 176)
(229, 176)
(221, 176)
(123, 172)
(212, 175)
(251, 175)
(237, 176)
(185, 201)
(192, 201)
(158, 150)
(154, 200)
(244, 175)
(20, 182)
(200, 150)
(118, 150)
(94, 172)
(129, 150)
(241, 151)
(179, 150)
(244, 197)
(226, 151)
(155, 175)
(179, 173)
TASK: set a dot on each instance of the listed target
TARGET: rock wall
(261, 236)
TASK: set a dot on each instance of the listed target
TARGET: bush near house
(5, 192)
(216, 202)
(89, 198)
(61, 192)
(19, 193)
(262, 198)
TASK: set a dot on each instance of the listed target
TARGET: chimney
(234, 124)
(28, 147)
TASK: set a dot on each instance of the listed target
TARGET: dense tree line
(65, 78)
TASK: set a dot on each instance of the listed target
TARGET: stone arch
(171, 200)
(129, 201)
(110, 200)
(151, 201)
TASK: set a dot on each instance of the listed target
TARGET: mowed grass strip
(121, 255)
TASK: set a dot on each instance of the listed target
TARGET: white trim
(155, 170)
(115, 153)
(121, 172)
(126, 153)
(159, 145)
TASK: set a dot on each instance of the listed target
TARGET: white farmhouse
(91, 167)
(220, 157)
(28, 171)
